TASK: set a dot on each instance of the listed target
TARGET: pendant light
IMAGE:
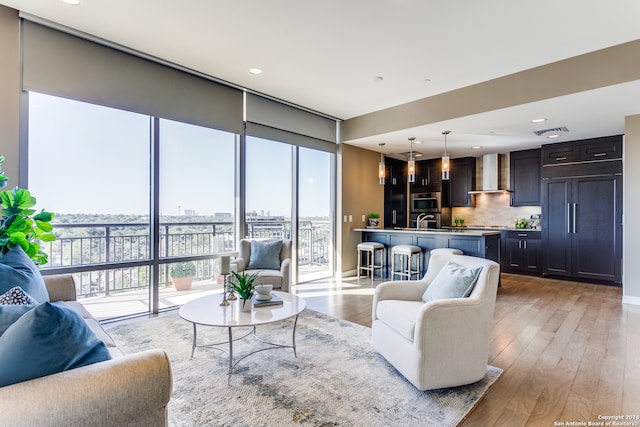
(381, 167)
(445, 157)
(411, 164)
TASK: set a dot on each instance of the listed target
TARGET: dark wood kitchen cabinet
(525, 177)
(428, 176)
(522, 252)
(584, 150)
(462, 179)
(582, 227)
(395, 193)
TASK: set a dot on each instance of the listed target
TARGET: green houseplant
(242, 284)
(374, 219)
(182, 275)
(20, 225)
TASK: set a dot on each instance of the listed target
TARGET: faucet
(422, 215)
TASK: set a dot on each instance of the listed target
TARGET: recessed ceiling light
(476, 147)
(427, 80)
(417, 142)
(72, 2)
(378, 79)
(417, 154)
(255, 71)
(555, 135)
(538, 120)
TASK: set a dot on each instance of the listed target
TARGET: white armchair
(279, 273)
(441, 343)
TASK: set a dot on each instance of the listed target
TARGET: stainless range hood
(490, 175)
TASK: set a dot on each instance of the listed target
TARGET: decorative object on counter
(411, 164)
(521, 223)
(374, 220)
(445, 157)
(381, 166)
(534, 222)
(458, 221)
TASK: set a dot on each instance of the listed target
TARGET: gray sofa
(128, 390)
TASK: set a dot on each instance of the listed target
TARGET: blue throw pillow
(453, 281)
(265, 255)
(10, 313)
(48, 339)
(16, 296)
(17, 269)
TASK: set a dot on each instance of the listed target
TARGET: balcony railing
(117, 257)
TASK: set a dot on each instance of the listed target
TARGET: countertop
(460, 231)
(492, 227)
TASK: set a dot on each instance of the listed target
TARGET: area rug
(337, 379)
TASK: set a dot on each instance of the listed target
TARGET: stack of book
(275, 300)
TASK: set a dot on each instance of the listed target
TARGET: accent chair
(271, 259)
(438, 338)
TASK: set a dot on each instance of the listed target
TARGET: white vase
(245, 305)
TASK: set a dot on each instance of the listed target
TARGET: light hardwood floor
(570, 351)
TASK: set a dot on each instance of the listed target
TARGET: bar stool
(406, 254)
(369, 249)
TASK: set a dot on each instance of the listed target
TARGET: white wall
(631, 211)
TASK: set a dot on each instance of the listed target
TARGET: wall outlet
(345, 218)
(350, 218)
(363, 219)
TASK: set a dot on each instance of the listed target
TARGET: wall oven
(426, 202)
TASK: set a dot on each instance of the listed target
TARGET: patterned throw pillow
(16, 296)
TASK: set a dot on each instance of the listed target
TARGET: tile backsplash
(494, 209)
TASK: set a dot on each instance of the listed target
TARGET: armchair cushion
(453, 281)
(49, 338)
(265, 255)
(400, 316)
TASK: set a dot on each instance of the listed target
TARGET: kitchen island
(479, 243)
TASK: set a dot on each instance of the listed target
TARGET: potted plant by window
(374, 219)
(20, 225)
(182, 275)
(242, 284)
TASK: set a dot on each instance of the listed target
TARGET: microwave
(426, 202)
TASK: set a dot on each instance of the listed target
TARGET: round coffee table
(207, 311)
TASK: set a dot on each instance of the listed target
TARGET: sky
(91, 159)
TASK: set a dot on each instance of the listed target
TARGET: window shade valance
(278, 116)
(65, 65)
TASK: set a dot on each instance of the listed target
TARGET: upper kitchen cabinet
(428, 176)
(586, 150)
(462, 179)
(395, 193)
(525, 177)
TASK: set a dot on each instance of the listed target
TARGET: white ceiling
(324, 55)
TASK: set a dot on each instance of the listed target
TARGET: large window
(103, 171)
(268, 189)
(197, 205)
(315, 243)
(91, 166)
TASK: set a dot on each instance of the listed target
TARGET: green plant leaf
(48, 237)
(23, 198)
(44, 216)
(44, 226)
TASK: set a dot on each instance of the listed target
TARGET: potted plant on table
(182, 275)
(374, 219)
(242, 284)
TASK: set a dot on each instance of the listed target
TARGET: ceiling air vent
(553, 130)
